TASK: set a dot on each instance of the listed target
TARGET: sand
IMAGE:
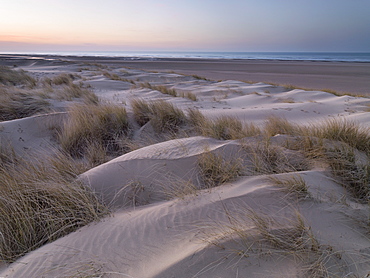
(344, 77)
(152, 232)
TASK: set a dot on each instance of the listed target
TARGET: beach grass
(142, 111)
(159, 88)
(224, 128)
(188, 95)
(93, 127)
(164, 116)
(247, 233)
(269, 158)
(345, 131)
(352, 173)
(293, 184)
(167, 117)
(18, 103)
(216, 169)
(40, 202)
(13, 77)
(278, 125)
(63, 78)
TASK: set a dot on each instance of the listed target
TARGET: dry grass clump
(116, 77)
(63, 78)
(17, 103)
(179, 188)
(159, 88)
(39, 203)
(344, 131)
(14, 77)
(142, 111)
(167, 117)
(249, 234)
(286, 100)
(354, 175)
(197, 119)
(163, 116)
(94, 126)
(7, 154)
(66, 89)
(215, 169)
(293, 184)
(336, 142)
(273, 159)
(311, 147)
(73, 91)
(276, 125)
(336, 93)
(224, 128)
(200, 77)
(191, 96)
(290, 87)
(188, 95)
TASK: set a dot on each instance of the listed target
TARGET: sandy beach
(194, 177)
(341, 77)
(344, 77)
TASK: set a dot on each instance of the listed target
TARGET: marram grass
(40, 202)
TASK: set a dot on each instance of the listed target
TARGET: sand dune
(166, 223)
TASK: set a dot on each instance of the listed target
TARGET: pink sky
(249, 25)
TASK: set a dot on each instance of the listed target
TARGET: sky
(186, 25)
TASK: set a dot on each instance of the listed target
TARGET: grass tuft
(276, 125)
(188, 95)
(215, 169)
(39, 203)
(225, 128)
(93, 126)
(344, 131)
(159, 88)
(222, 128)
(7, 154)
(197, 119)
(355, 176)
(246, 233)
(142, 111)
(294, 184)
(116, 77)
(272, 159)
(63, 79)
(73, 91)
(17, 103)
(164, 116)
(15, 77)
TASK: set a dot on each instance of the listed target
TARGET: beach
(183, 168)
(343, 77)
(338, 76)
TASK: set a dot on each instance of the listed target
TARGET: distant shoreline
(351, 57)
(343, 77)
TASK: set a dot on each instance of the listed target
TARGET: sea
(155, 55)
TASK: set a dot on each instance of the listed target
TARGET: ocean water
(283, 56)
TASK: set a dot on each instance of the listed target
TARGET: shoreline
(343, 77)
(168, 59)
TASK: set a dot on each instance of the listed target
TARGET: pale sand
(160, 238)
